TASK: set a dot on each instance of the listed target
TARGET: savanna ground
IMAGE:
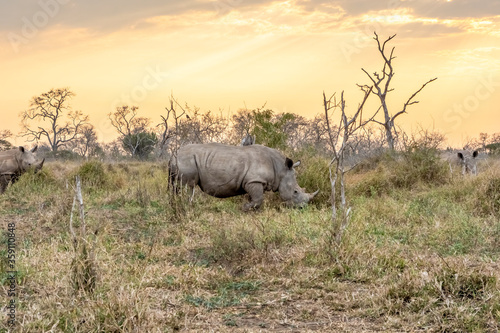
(421, 252)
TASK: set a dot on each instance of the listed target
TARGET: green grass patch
(228, 294)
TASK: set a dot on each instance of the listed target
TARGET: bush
(493, 148)
(140, 144)
(419, 165)
(374, 183)
(372, 161)
(269, 128)
(32, 181)
(402, 171)
(92, 174)
(493, 195)
(487, 199)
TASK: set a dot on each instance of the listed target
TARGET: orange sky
(228, 54)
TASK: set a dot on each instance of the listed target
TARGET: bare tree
(483, 138)
(382, 82)
(86, 144)
(126, 121)
(494, 138)
(168, 131)
(369, 140)
(60, 125)
(297, 129)
(183, 124)
(339, 141)
(242, 124)
(113, 149)
(198, 127)
(318, 133)
(4, 135)
(135, 135)
(423, 138)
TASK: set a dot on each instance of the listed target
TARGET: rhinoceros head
(27, 159)
(469, 162)
(289, 190)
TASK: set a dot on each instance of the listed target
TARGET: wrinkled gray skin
(468, 161)
(15, 162)
(224, 171)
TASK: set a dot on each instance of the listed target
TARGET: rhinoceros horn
(312, 195)
(39, 166)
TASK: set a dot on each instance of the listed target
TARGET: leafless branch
(409, 101)
(382, 88)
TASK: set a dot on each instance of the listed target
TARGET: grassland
(421, 253)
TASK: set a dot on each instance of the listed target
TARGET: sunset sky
(231, 54)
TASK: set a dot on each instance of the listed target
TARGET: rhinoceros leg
(4, 181)
(256, 193)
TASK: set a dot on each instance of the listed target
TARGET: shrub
(372, 161)
(493, 148)
(35, 182)
(140, 144)
(488, 196)
(419, 165)
(92, 174)
(402, 171)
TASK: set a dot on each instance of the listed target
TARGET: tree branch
(409, 101)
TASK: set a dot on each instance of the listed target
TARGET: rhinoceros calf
(224, 171)
(15, 162)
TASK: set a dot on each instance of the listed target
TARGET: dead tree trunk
(83, 266)
(168, 133)
(339, 141)
(382, 83)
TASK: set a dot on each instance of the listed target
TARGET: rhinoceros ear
(21, 149)
(475, 153)
(34, 149)
(289, 163)
(460, 156)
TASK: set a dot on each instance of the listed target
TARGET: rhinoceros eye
(295, 192)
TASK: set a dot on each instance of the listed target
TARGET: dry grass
(418, 255)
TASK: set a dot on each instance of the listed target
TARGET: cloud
(93, 14)
(112, 15)
(456, 9)
(441, 9)
(426, 30)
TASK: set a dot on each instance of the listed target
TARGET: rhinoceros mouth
(306, 198)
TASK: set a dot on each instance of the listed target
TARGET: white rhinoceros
(224, 171)
(15, 162)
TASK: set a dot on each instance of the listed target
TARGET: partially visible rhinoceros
(224, 171)
(15, 162)
(248, 140)
(468, 161)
